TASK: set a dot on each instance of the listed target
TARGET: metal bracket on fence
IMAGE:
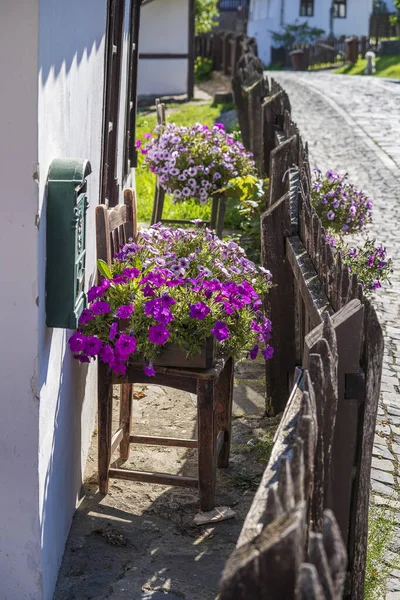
(290, 170)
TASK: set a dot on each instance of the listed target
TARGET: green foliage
(386, 66)
(298, 33)
(381, 533)
(380, 6)
(202, 69)
(206, 15)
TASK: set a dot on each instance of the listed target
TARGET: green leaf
(104, 269)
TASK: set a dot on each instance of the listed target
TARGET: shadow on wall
(69, 20)
(60, 485)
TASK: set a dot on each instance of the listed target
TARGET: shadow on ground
(140, 542)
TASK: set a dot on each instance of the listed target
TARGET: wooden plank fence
(224, 48)
(323, 323)
(279, 556)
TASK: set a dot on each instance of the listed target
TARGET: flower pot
(172, 355)
(298, 60)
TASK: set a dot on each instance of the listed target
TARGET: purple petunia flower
(131, 272)
(113, 331)
(158, 334)
(82, 358)
(199, 311)
(125, 345)
(149, 370)
(107, 354)
(253, 352)
(100, 308)
(118, 367)
(85, 316)
(220, 331)
(331, 215)
(93, 345)
(95, 292)
(125, 311)
(77, 342)
(267, 352)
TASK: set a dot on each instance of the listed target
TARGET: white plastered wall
(20, 556)
(265, 16)
(163, 29)
(71, 73)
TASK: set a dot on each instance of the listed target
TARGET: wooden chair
(214, 389)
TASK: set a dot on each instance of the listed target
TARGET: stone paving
(352, 124)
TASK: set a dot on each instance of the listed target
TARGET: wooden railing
(315, 293)
(225, 48)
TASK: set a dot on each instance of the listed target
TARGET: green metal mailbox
(66, 241)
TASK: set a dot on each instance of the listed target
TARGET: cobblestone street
(352, 124)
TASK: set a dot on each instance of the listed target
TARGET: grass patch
(381, 533)
(188, 114)
(386, 66)
(322, 66)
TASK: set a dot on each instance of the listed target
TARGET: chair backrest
(115, 226)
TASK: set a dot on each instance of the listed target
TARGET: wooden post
(372, 363)
(223, 402)
(275, 227)
(256, 122)
(207, 440)
(104, 425)
(125, 418)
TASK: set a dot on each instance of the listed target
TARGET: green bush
(202, 69)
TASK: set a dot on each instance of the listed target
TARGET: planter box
(174, 356)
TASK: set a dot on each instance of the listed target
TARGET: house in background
(70, 92)
(350, 17)
(233, 15)
(166, 48)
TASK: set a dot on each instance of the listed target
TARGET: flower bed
(174, 286)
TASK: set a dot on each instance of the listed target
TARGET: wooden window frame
(130, 151)
(109, 187)
(306, 8)
(337, 5)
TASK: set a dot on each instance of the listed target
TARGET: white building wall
(20, 557)
(163, 29)
(266, 16)
(71, 72)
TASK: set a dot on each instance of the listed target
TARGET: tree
(380, 6)
(206, 15)
(297, 34)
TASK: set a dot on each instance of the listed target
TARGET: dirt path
(140, 542)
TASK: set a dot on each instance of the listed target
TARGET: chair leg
(206, 441)
(104, 426)
(125, 418)
(223, 403)
(214, 212)
(221, 217)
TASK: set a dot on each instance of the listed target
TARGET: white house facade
(166, 47)
(351, 17)
(53, 105)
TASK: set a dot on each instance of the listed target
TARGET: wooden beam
(163, 55)
(160, 441)
(220, 442)
(308, 282)
(161, 478)
(116, 439)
